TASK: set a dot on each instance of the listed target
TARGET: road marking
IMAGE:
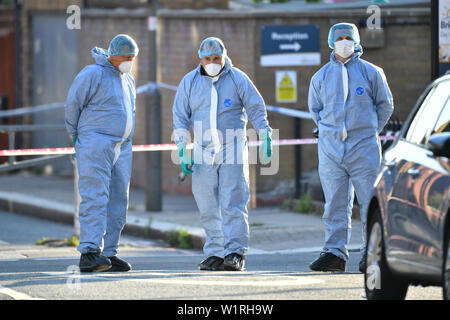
(16, 295)
(254, 251)
(150, 255)
(244, 279)
(3, 242)
(55, 258)
(12, 256)
(226, 281)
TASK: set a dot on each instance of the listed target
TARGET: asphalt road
(29, 271)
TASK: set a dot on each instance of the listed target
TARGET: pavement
(272, 229)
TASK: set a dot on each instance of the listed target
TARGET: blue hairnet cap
(210, 46)
(123, 44)
(343, 29)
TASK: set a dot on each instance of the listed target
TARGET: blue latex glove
(186, 161)
(265, 149)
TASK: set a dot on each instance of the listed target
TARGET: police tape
(29, 110)
(149, 86)
(285, 111)
(154, 147)
(60, 105)
(290, 112)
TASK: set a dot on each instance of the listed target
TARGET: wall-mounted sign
(296, 45)
(444, 32)
(286, 86)
(440, 12)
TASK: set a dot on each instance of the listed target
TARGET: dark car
(408, 220)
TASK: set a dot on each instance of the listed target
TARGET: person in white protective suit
(217, 99)
(350, 102)
(99, 116)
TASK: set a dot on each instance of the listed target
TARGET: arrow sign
(290, 46)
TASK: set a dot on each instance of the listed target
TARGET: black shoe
(94, 262)
(328, 262)
(212, 263)
(363, 264)
(234, 262)
(119, 265)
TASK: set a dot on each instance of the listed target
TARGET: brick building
(7, 70)
(406, 64)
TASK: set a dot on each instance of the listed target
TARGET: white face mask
(213, 69)
(344, 48)
(126, 66)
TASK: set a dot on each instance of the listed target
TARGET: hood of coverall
(101, 57)
(356, 55)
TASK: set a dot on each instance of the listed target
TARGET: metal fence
(11, 130)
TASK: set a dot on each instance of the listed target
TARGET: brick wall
(97, 29)
(407, 69)
(166, 4)
(193, 4)
(179, 40)
(115, 3)
(26, 47)
(406, 64)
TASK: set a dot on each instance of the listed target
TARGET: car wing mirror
(440, 144)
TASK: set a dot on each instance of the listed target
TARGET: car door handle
(413, 172)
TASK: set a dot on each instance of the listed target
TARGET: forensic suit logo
(228, 103)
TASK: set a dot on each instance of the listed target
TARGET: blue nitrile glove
(186, 161)
(74, 140)
(266, 147)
